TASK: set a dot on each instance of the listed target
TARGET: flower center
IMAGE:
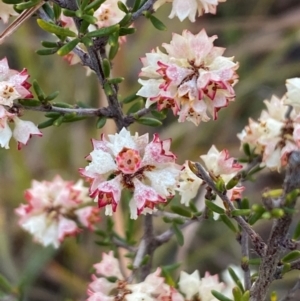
(128, 160)
(8, 93)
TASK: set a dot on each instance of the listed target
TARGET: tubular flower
(55, 210)
(14, 85)
(148, 170)
(6, 10)
(189, 8)
(273, 136)
(192, 78)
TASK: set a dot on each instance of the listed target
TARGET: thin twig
(258, 243)
(275, 248)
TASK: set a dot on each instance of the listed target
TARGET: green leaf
(126, 31)
(56, 10)
(168, 278)
(5, 286)
(48, 10)
(29, 102)
(46, 124)
(106, 67)
(233, 182)
(145, 260)
(59, 120)
(167, 220)
(122, 7)
(83, 29)
(115, 80)
(193, 207)
(103, 32)
(94, 5)
(277, 212)
(246, 296)
(226, 220)
(136, 5)
(239, 212)
(90, 19)
(130, 98)
(84, 3)
(245, 203)
(178, 220)
(27, 5)
(157, 23)
(256, 215)
(212, 206)
(246, 149)
(52, 96)
(113, 51)
(107, 89)
(125, 20)
(181, 211)
(52, 28)
(297, 232)
(54, 115)
(220, 296)
(49, 44)
(291, 256)
(236, 279)
(135, 107)
(69, 13)
(101, 122)
(149, 121)
(254, 261)
(237, 293)
(62, 105)
(178, 234)
(11, 1)
(161, 115)
(68, 47)
(48, 51)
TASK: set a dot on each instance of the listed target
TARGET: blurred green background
(262, 35)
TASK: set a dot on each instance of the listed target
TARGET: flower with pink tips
(273, 136)
(189, 8)
(14, 85)
(122, 161)
(192, 78)
(55, 210)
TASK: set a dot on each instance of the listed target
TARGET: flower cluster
(146, 169)
(219, 166)
(189, 8)
(55, 210)
(6, 10)
(152, 288)
(192, 78)
(277, 132)
(14, 85)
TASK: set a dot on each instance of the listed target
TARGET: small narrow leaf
(239, 212)
(56, 11)
(125, 19)
(5, 286)
(52, 28)
(103, 32)
(233, 182)
(69, 13)
(159, 114)
(48, 51)
(157, 23)
(49, 44)
(178, 234)
(212, 206)
(122, 7)
(59, 120)
(101, 122)
(68, 47)
(115, 80)
(254, 261)
(126, 31)
(136, 5)
(181, 211)
(52, 115)
(149, 121)
(106, 67)
(237, 293)
(297, 232)
(220, 296)
(90, 19)
(226, 220)
(246, 296)
(46, 124)
(145, 260)
(11, 1)
(113, 51)
(94, 5)
(246, 149)
(291, 256)
(30, 102)
(26, 5)
(130, 98)
(52, 96)
(236, 279)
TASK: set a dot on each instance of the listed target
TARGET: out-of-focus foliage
(264, 37)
